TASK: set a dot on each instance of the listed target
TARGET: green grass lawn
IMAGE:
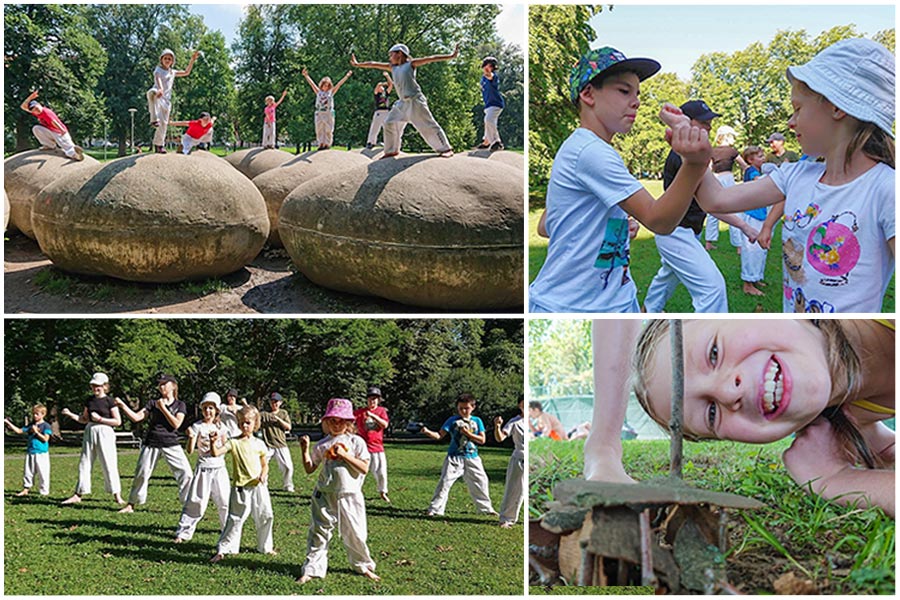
(842, 550)
(645, 263)
(89, 549)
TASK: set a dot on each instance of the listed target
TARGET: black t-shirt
(160, 433)
(695, 215)
(102, 406)
(381, 101)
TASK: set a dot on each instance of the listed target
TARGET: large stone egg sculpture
(255, 161)
(426, 231)
(154, 218)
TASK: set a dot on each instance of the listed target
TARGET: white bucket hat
(212, 398)
(857, 76)
(166, 51)
(400, 48)
(99, 379)
(725, 130)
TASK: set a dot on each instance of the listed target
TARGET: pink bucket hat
(340, 408)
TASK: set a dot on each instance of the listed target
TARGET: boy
(591, 193)
(51, 132)
(37, 457)
(493, 104)
(753, 256)
(381, 97)
(514, 494)
(273, 425)
(462, 459)
(371, 421)
(199, 131)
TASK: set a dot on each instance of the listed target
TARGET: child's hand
(455, 50)
(815, 454)
(195, 55)
(751, 232)
(672, 116)
(691, 143)
(633, 228)
(349, 73)
(304, 442)
(304, 72)
(193, 434)
(95, 417)
(498, 421)
(264, 478)
(32, 95)
(764, 239)
(353, 61)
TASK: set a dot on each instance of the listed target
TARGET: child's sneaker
(79, 153)
(160, 150)
(154, 124)
(496, 146)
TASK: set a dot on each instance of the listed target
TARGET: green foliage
(559, 355)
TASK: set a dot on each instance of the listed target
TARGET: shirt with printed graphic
(460, 445)
(515, 428)
(325, 101)
(34, 444)
(336, 475)
(201, 431)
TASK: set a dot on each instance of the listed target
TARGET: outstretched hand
(690, 142)
(353, 61)
(455, 51)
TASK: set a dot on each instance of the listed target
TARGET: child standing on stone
(159, 97)
(325, 92)
(268, 139)
(51, 132)
(493, 104)
(382, 105)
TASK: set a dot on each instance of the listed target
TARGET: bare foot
(272, 553)
(119, 499)
(371, 575)
(751, 290)
(128, 509)
(506, 525)
(388, 155)
(710, 247)
(447, 154)
(216, 558)
(23, 492)
(75, 499)
(384, 497)
(304, 579)
(178, 540)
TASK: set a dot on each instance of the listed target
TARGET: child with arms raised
(268, 138)
(324, 118)
(37, 454)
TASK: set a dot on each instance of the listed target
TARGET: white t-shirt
(835, 239)
(337, 476)
(587, 261)
(167, 76)
(515, 428)
(205, 458)
(229, 420)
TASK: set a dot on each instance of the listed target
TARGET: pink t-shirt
(270, 113)
(196, 129)
(48, 119)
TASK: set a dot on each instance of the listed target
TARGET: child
(268, 138)
(723, 158)
(99, 415)
(753, 256)
(164, 417)
(51, 132)
(325, 92)
(462, 460)
(493, 104)
(159, 97)
(412, 107)
(249, 494)
(37, 456)
(514, 494)
(371, 421)
(229, 412)
(199, 131)
(273, 426)
(337, 498)
(838, 231)
(210, 476)
(591, 193)
(381, 110)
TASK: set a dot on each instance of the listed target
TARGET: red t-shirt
(48, 119)
(196, 129)
(370, 431)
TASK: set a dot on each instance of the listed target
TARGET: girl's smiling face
(166, 60)
(334, 426)
(748, 381)
(209, 412)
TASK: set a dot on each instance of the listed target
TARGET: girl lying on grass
(830, 382)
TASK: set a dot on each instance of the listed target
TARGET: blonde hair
(725, 138)
(272, 98)
(249, 413)
(325, 80)
(39, 408)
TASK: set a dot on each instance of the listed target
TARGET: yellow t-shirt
(245, 460)
(871, 406)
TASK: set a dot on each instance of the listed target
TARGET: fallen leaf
(790, 584)
(404, 563)
(106, 555)
(23, 570)
(73, 528)
(444, 548)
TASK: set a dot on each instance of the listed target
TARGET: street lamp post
(132, 111)
(105, 137)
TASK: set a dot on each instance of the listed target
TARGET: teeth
(773, 386)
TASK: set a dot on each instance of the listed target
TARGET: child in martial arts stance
(164, 416)
(210, 476)
(381, 109)
(325, 92)
(249, 493)
(268, 139)
(199, 131)
(371, 421)
(337, 497)
(273, 426)
(99, 415)
(159, 97)
(229, 412)
(412, 107)
(51, 131)
(493, 104)
(37, 456)
(514, 494)
(462, 460)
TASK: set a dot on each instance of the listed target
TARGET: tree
(211, 86)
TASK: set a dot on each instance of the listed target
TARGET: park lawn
(843, 550)
(89, 549)
(645, 263)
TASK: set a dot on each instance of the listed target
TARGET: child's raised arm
(83, 418)
(179, 123)
(713, 198)
(190, 66)
(13, 427)
(357, 463)
(418, 62)
(192, 440)
(308, 464)
(31, 96)
(214, 448)
(135, 416)
(478, 438)
(369, 64)
(498, 431)
(435, 435)
(309, 80)
(338, 85)
(44, 437)
(280, 100)
(174, 419)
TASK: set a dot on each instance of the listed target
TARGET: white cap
(167, 51)
(725, 130)
(99, 379)
(212, 398)
(400, 48)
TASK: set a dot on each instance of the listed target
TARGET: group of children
(410, 107)
(353, 445)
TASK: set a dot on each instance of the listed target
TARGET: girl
(371, 421)
(838, 232)
(165, 416)
(99, 415)
(325, 92)
(514, 494)
(268, 138)
(412, 107)
(381, 109)
(249, 493)
(159, 97)
(229, 412)
(210, 476)
(337, 497)
(723, 158)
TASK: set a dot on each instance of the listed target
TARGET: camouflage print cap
(599, 60)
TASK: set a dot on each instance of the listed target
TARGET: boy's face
(465, 409)
(533, 412)
(757, 159)
(372, 402)
(488, 68)
(36, 109)
(275, 405)
(205, 121)
(614, 105)
(395, 57)
(38, 414)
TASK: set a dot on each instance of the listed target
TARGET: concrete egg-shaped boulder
(155, 218)
(5, 210)
(425, 231)
(27, 173)
(276, 184)
(255, 161)
(512, 159)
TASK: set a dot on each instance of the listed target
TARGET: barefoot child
(159, 97)
(382, 104)
(412, 106)
(249, 492)
(371, 421)
(37, 455)
(337, 497)
(51, 132)
(325, 92)
(493, 104)
(274, 424)
(753, 256)
(210, 476)
(199, 131)
(99, 415)
(268, 138)
(514, 494)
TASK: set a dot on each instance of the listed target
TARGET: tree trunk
(23, 133)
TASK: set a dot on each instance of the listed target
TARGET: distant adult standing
(371, 421)
(778, 154)
(229, 412)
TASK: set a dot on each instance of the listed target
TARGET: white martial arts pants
(491, 118)
(514, 494)
(472, 471)
(160, 109)
(37, 464)
(246, 501)
(413, 110)
(98, 442)
(735, 235)
(378, 469)
(378, 119)
(208, 482)
(51, 139)
(268, 138)
(324, 128)
(188, 142)
(685, 260)
(285, 463)
(753, 256)
(178, 464)
(348, 512)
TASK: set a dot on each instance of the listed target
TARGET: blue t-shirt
(757, 213)
(587, 260)
(35, 445)
(490, 92)
(460, 445)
